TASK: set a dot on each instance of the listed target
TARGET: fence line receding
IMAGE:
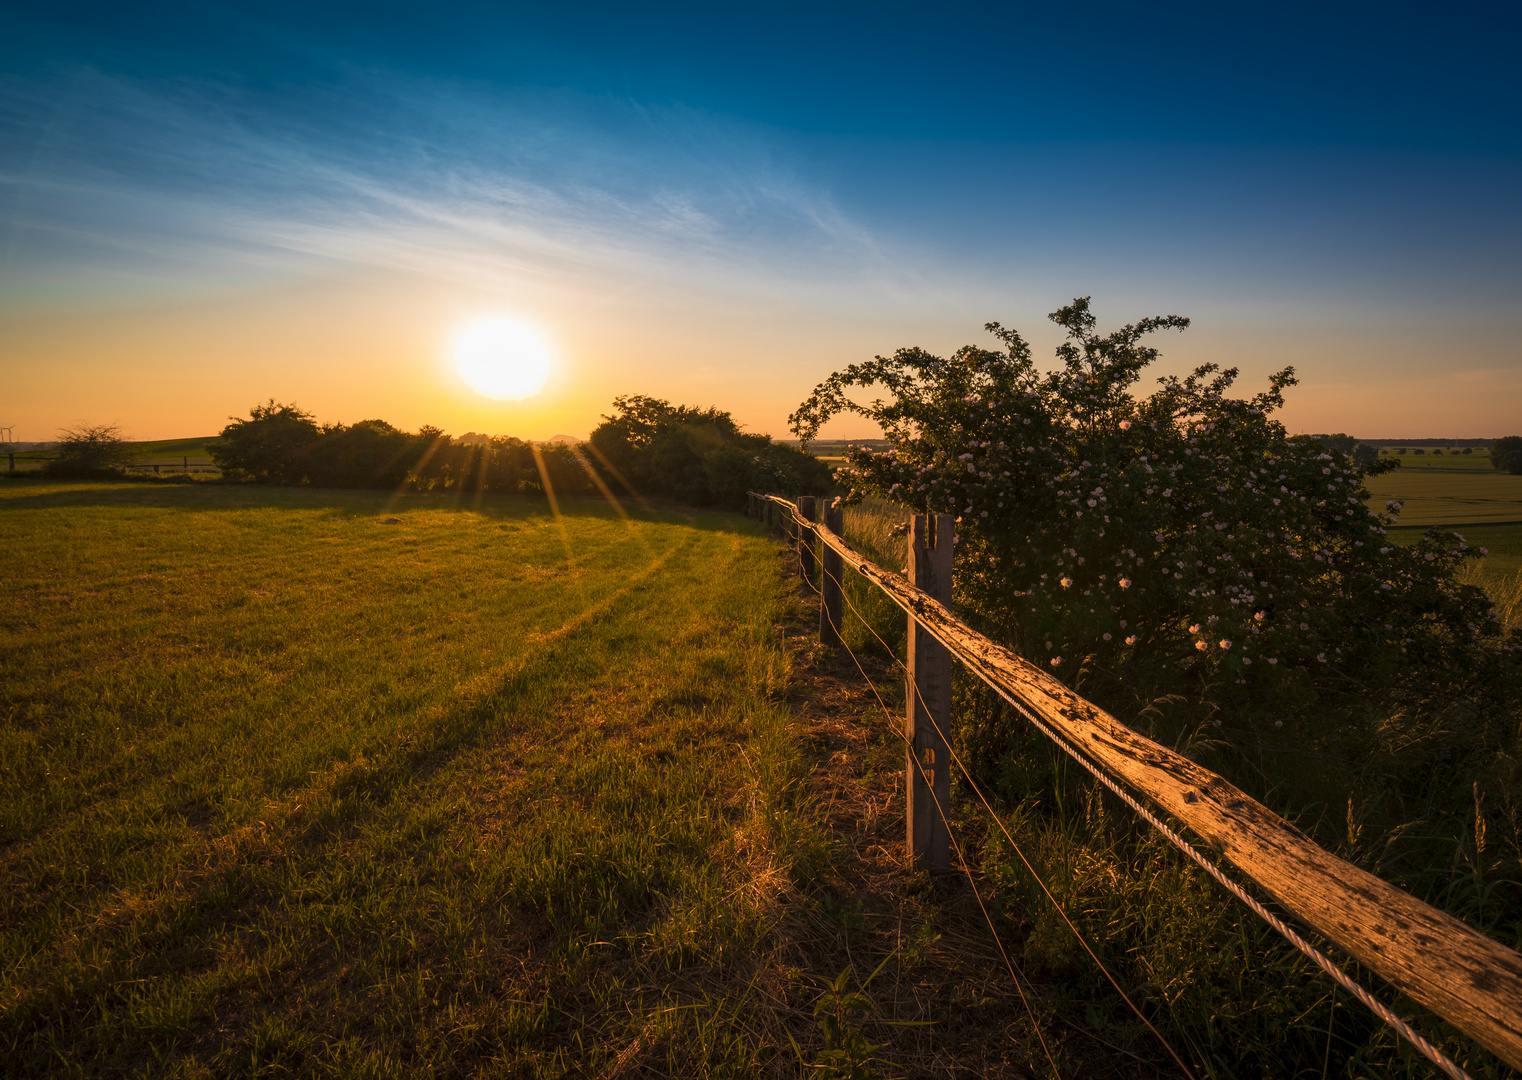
(1468, 979)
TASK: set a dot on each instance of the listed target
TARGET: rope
(1443, 1063)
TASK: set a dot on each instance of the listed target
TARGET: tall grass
(1428, 798)
(870, 527)
(1505, 591)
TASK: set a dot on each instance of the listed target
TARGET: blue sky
(721, 205)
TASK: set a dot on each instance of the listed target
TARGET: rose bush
(1184, 533)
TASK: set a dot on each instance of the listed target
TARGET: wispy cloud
(107, 178)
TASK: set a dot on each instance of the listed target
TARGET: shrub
(699, 456)
(1177, 543)
(282, 444)
(90, 451)
(370, 453)
(1506, 454)
(272, 445)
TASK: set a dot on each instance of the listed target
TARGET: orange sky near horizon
(355, 345)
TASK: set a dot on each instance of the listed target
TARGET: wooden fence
(1463, 976)
(179, 464)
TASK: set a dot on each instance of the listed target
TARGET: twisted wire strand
(1373, 1004)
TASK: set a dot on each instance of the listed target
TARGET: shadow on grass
(206, 497)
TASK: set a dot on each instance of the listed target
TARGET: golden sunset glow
(502, 360)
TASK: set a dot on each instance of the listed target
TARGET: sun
(502, 359)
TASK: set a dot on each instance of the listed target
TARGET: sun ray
(602, 485)
(613, 469)
(565, 537)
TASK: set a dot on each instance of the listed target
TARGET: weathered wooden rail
(1463, 976)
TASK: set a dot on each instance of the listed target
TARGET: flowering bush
(1185, 529)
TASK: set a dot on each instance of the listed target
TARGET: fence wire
(1422, 1046)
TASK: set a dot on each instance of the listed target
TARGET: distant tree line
(1506, 454)
(1362, 453)
(697, 456)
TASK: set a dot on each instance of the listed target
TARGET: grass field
(168, 448)
(288, 789)
(299, 782)
(164, 452)
(1479, 461)
(1485, 507)
(1450, 498)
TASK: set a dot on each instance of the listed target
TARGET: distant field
(1450, 498)
(166, 453)
(1466, 462)
(288, 789)
(194, 447)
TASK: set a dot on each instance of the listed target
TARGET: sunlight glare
(502, 359)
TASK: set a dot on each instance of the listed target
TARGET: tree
(1177, 543)
(367, 454)
(1506, 454)
(272, 445)
(1347, 444)
(699, 456)
(90, 451)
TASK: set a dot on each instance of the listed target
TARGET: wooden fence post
(831, 584)
(927, 710)
(805, 538)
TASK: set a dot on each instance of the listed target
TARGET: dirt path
(943, 1003)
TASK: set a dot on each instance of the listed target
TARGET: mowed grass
(287, 790)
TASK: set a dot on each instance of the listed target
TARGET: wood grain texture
(927, 700)
(805, 512)
(1463, 976)
(831, 581)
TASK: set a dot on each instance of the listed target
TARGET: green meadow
(163, 452)
(1486, 507)
(311, 782)
(307, 782)
(1451, 460)
(1450, 498)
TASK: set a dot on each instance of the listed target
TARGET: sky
(207, 205)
